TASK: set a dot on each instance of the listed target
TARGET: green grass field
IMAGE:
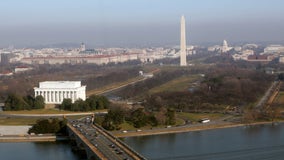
(47, 111)
(6, 121)
(194, 117)
(179, 84)
(39, 111)
(112, 86)
(279, 100)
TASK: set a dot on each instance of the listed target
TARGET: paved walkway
(14, 130)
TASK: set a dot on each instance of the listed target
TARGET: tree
(66, 104)
(170, 117)
(250, 115)
(92, 102)
(152, 120)
(15, 102)
(138, 118)
(53, 125)
(102, 102)
(79, 105)
(30, 101)
(113, 119)
(97, 102)
(38, 102)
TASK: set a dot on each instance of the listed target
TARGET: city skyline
(138, 23)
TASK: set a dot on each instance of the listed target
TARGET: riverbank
(187, 128)
(32, 138)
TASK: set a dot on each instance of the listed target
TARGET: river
(261, 142)
(36, 151)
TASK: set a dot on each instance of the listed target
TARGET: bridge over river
(98, 143)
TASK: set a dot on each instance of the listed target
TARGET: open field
(30, 120)
(7, 121)
(39, 111)
(194, 117)
(279, 100)
(179, 84)
(48, 111)
(112, 86)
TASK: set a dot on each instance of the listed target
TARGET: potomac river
(260, 142)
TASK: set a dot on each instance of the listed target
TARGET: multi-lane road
(109, 147)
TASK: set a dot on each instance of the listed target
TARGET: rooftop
(60, 84)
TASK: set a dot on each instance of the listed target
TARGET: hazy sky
(138, 22)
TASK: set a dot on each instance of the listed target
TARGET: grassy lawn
(17, 121)
(194, 117)
(279, 100)
(39, 111)
(47, 111)
(112, 86)
(179, 84)
(129, 127)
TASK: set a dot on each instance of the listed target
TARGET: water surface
(36, 151)
(262, 142)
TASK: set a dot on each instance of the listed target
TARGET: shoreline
(119, 134)
(29, 138)
(186, 129)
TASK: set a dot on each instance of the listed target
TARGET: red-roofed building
(19, 69)
(259, 58)
(6, 73)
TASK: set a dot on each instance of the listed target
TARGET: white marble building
(55, 91)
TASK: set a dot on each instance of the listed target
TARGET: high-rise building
(182, 42)
(5, 58)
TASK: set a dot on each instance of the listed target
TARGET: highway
(107, 146)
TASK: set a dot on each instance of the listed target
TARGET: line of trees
(15, 102)
(137, 118)
(53, 125)
(93, 102)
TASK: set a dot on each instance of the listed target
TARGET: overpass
(98, 143)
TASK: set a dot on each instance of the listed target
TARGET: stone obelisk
(182, 42)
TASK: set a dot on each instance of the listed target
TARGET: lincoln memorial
(54, 92)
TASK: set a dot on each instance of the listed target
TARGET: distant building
(20, 69)
(5, 58)
(6, 73)
(214, 48)
(244, 55)
(225, 47)
(259, 58)
(281, 59)
(95, 59)
(82, 47)
(274, 49)
(55, 91)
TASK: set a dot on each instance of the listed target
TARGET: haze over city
(128, 23)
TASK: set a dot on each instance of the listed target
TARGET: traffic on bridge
(108, 146)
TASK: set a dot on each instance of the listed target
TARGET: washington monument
(182, 42)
